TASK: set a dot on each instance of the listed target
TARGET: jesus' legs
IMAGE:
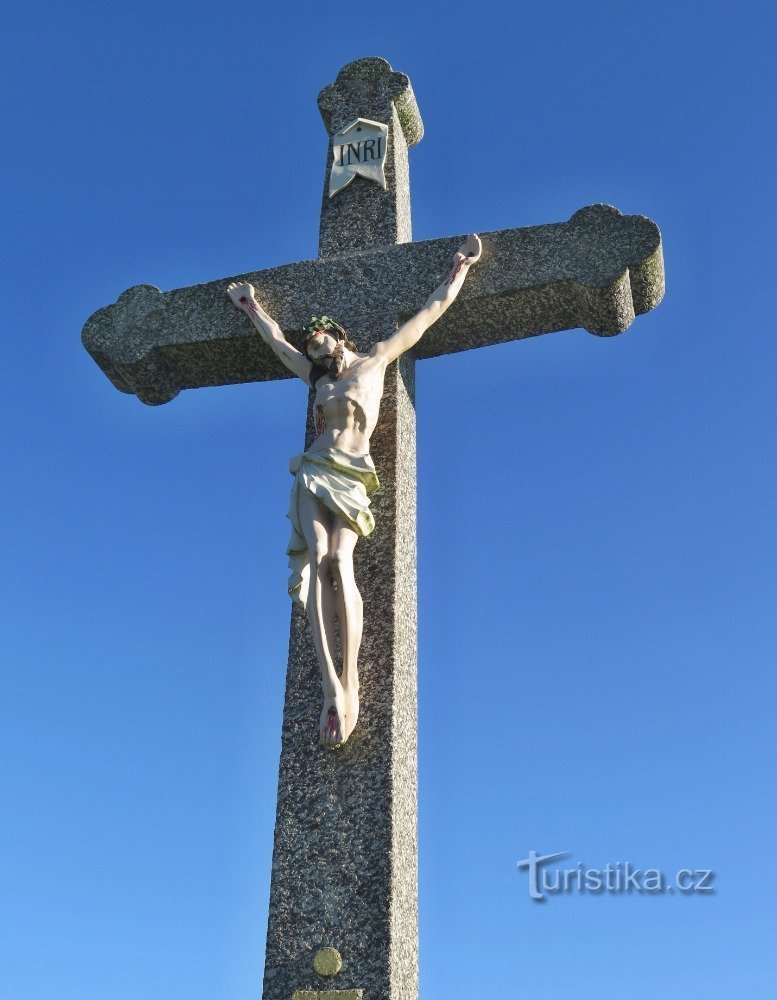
(315, 521)
(350, 612)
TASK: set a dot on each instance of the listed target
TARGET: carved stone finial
(364, 89)
(363, 216)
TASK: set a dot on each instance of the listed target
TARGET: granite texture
(596, 271)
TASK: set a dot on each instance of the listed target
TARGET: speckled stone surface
(596, 271)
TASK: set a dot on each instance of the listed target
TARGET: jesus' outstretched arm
(410, 333)
(243, 295)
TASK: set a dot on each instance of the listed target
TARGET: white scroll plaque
(359, 148)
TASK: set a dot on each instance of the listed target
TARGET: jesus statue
(330, 506)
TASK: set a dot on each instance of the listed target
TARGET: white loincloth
(339, 480)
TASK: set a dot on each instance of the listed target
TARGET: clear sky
(596, 516)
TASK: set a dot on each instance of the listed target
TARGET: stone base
(327, 995)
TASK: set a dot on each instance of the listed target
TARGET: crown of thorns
(322, 323)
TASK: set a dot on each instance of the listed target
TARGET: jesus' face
(320, 345)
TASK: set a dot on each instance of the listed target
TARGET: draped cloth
(342, 482)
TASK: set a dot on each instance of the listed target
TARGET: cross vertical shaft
(344, 871)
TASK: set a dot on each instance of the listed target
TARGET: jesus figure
(330, 505)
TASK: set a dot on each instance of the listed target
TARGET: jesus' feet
(332, 729)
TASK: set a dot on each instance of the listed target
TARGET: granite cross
(343, 900)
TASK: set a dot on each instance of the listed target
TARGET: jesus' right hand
(243, 295)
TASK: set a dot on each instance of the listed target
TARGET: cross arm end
(597, 271)
(152, 344)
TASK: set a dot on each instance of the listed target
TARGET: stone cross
(343, 920)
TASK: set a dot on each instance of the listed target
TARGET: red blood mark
(320, 420)
(332, 726)
(249, 304)
(456, 268)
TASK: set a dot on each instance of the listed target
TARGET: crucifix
(343, 920)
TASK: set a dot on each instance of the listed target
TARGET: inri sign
(359, 148)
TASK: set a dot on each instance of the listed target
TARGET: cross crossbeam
(597, 271)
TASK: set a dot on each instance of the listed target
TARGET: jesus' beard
(337, 364)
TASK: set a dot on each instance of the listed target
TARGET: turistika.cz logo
(619, 877)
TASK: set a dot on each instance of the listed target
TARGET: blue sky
(596, 581)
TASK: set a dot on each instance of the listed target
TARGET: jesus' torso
(346, 409)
